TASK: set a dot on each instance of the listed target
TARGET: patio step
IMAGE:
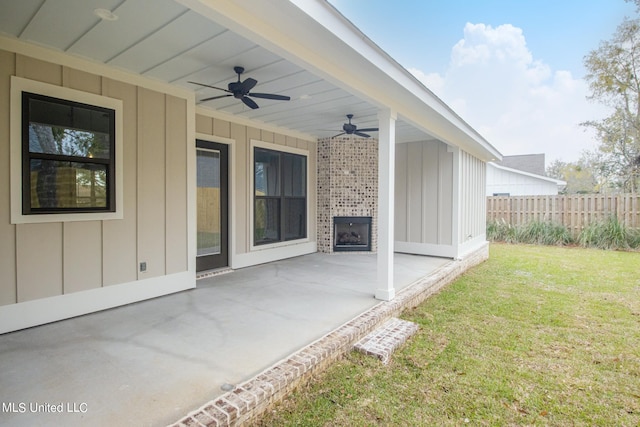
(382, 342)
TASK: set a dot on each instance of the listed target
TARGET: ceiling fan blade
(212, 87)
(249, 102)
(270, 96)
(368, 130)
(340, 134)
(247, 85)
(214, 97)
(364, 135)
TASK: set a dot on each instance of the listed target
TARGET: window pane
(295, 175)
(70, 130)
(295, 218)
(267, 172)
(208, 202)
(56, 184)
(267, 221)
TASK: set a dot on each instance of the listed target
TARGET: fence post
(620, 208)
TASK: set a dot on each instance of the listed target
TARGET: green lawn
(534, 336)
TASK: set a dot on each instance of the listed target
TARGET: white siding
(513, 183)
(472, 202)
(424, 194)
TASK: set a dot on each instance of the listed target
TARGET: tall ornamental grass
(604, 234)
(609, 234)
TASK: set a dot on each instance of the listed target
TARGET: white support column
(386, 176)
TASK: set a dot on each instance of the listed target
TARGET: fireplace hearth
(352, 233)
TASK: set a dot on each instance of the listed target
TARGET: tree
(612, 74)
(580, 176)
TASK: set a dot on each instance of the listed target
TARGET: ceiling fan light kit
(242, 90)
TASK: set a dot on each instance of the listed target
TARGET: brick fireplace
(347, 187)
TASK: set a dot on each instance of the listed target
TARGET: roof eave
(315, 36)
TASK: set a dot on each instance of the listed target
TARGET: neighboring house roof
(532, 163)
(302, 48)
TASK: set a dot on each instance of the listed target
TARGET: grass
(537, 335)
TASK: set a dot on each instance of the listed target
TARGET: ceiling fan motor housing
(242, 90)
(349, 128)
(234, 87)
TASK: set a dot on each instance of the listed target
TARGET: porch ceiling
(169, 42)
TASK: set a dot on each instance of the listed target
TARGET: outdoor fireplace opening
(352, 233)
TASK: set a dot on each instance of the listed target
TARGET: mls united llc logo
(35, 407)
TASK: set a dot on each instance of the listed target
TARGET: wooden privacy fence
(573, 211)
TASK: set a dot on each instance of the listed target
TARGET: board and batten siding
(56, 259)
(472, 202)
(424, 191)
(239, 137)
(514, 183)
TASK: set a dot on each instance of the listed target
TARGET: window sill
(18, 218)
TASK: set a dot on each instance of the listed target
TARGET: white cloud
(433, 81)
(516, 102)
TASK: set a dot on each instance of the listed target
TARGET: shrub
(501, 231)
(535, 232)
(605, 234)
(609, 234)
(544, 233)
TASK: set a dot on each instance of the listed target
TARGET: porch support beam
(386, 183)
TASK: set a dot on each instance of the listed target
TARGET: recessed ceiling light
(105, 14)
(305, 96)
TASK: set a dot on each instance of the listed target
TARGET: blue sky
(513, 69)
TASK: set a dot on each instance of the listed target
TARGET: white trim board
(66, 60)
(20, 85)
(273, 254)
(428, 249)
(245, 121)
(26, 314)
(471, 245)
(253, 143)
(232, 208)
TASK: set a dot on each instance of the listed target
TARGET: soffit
(169, 42)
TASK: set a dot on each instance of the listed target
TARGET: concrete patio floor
(151, 362)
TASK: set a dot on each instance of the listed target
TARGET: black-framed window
(280, 196)
(68, 156)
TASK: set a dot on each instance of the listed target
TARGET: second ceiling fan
(351, 129)
(242, 90)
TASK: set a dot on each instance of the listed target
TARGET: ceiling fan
(351, 129)
(241, 90)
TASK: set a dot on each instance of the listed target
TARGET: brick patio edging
(251, 399)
